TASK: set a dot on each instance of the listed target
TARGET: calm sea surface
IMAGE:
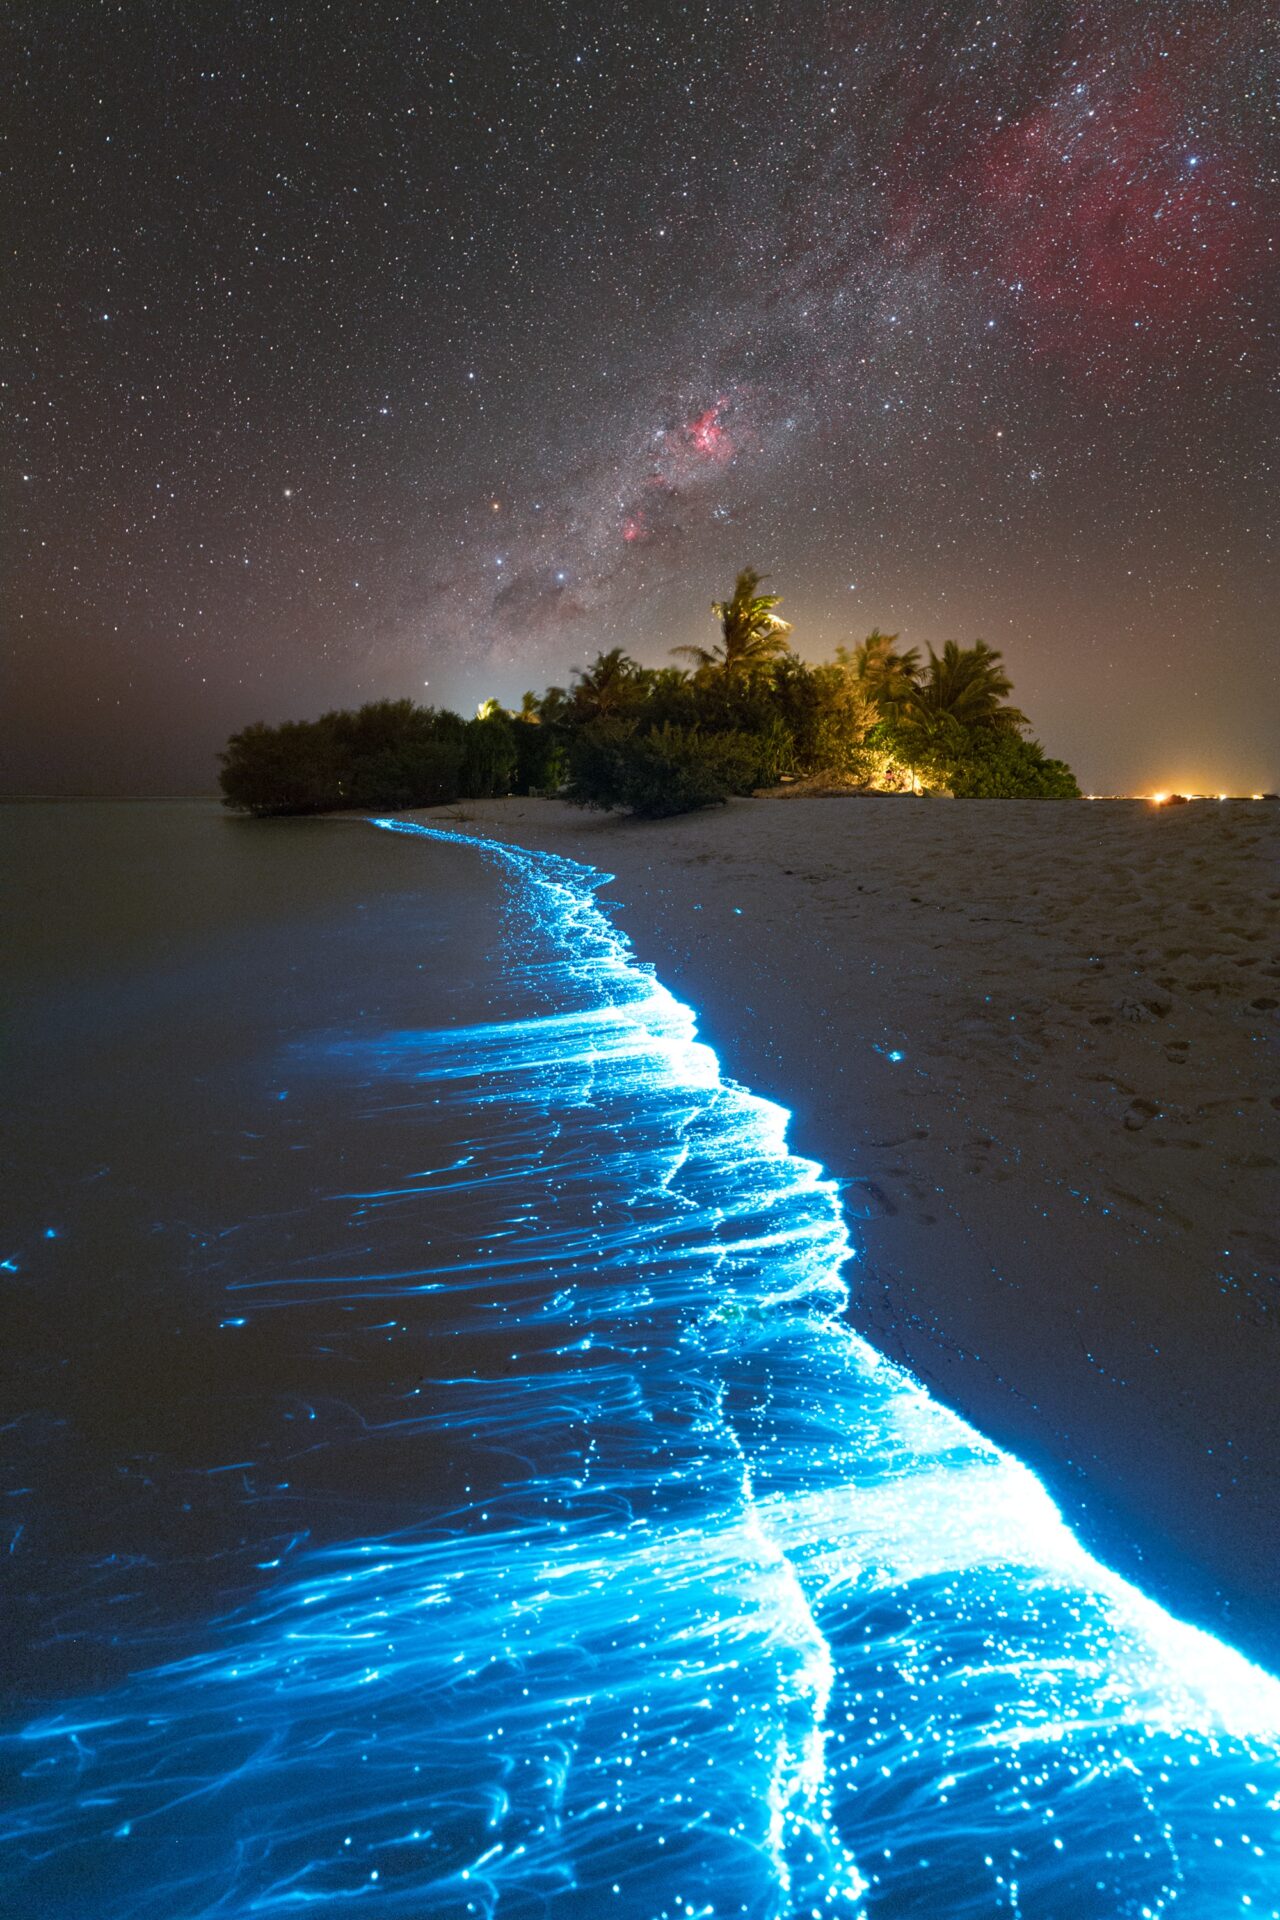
(438, 1479)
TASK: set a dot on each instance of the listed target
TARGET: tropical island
(743, 715)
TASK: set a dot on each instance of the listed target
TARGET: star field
(350, 349)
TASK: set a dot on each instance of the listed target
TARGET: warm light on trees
(662, 740)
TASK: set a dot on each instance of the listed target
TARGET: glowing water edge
(714, 1612)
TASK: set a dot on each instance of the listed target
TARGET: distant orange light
(1158, 799)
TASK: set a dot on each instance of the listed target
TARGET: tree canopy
(750, 713)
(886, 677)
(752, 635)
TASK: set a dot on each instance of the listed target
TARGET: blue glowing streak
(750, 1624)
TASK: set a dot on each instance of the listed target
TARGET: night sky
(352, 347)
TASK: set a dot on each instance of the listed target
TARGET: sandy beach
(1035, 1041)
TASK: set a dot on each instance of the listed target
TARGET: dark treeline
(744, 714)
(389, 754)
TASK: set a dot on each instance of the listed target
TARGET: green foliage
(773, 752)
(886, 678)
(671, 770)
(1004, 766)
(489, 758)
(663, 740)
(752, 635)
(388, 754)
(425, 774)
(294, 768)
(613, 685)
(828, 716)
(950, 725)
(973, 763)
(541, 762)
(965, 686)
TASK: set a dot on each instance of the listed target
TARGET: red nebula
(1101, 208)
(1110, 222)
(634, 528)
(707, 436)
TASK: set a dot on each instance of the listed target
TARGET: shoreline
(1022, 1039)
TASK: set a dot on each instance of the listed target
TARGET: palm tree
(554, 707)
(531, 709)
(885, 676)
(752, 634)
(966, 687)
(608, 686)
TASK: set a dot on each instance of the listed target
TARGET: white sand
(1066, 1189)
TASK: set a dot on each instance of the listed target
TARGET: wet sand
(1065, 1188)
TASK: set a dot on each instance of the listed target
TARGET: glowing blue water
(714, 1612)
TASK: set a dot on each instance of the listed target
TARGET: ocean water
(440, 1479)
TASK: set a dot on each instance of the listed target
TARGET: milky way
(356, 349)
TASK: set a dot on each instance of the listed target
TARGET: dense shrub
(670, 770)
(1004, 766)
(294, 768)
(541, 762)
(973, 763)
(422, 774)
(388, 754)
(489, 759)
